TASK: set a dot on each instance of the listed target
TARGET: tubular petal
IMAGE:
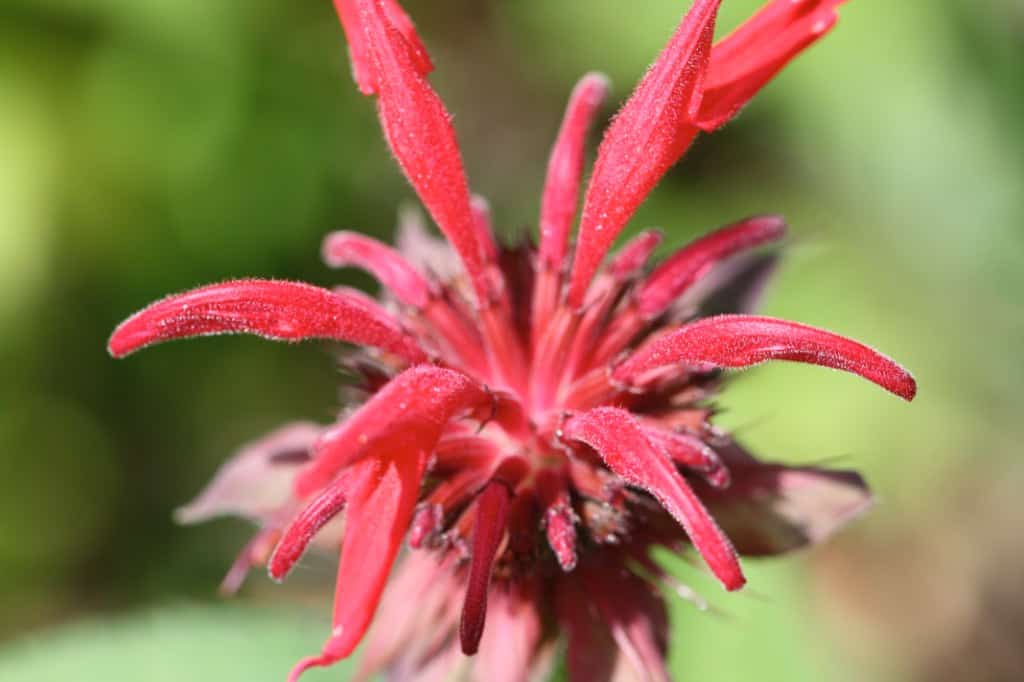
(484, 227)
(590, 650)
(419, 131)
(341, 249)
(303, 527)
(680, 270)
(273, 309)
(489, 528)
(565, 168)
(378, 516)
(632, 257)
(362, 68)
(745, 340)
(650, 133)
(749, 58)
(406, 415)
(620, 441)
(559, 518)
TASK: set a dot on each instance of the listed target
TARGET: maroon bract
(536, 422)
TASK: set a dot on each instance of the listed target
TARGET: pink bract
(534, 420)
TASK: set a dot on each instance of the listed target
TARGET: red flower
(534, 423)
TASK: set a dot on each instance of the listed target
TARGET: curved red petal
(680, 270)
(303, 528)
(745, 340)
(649, 134)
(633, 256)
(419, 131)
(488, 529)
(565, 169)
(341, 249)
(406, 415)
(620, 441)
(273, 309)
(743, 62)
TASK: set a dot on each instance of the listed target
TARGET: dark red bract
(534, 421)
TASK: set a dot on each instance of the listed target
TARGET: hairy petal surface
(380, 509)
(565, 169)
(649, 134)
(419, 131)
(620, 441)
(678, 272)
(362, 67)
(745, 340)
(342, 249)
(488, 529)
(273, 309)
(406, 415)
(746, 60)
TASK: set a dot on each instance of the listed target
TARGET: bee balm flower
(535, 420)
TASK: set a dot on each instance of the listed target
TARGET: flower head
(534, 420)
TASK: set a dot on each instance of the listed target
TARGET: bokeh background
(147, 147)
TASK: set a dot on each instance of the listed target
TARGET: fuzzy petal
(488, 530)
(273, 309)
(633, 256)
(646, 138)
(620, 441)
(565, 169)
(746, 60)
(256, 482)
(419, 131)
(362, 67)
(342, 249)
(745, 340)
(680, 270)
(380, 509)
(407, 415)
(591, 652)
(304, 527)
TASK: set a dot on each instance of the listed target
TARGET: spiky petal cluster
(534, 423)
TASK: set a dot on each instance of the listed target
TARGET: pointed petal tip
(321, 661)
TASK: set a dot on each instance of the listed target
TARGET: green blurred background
(147, 147)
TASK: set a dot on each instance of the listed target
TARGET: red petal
(407, 415)
(273, 309)
(632, 257)
(565, 169)
(745, 340)
(488, 529)
(380, 509)
(341, 249)
(559, 518)
(362, 68)
(303, 527)
(620, 441)
(419, 132)
(749, 58)
(646, 138)
(484, 227)
(680, 270)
